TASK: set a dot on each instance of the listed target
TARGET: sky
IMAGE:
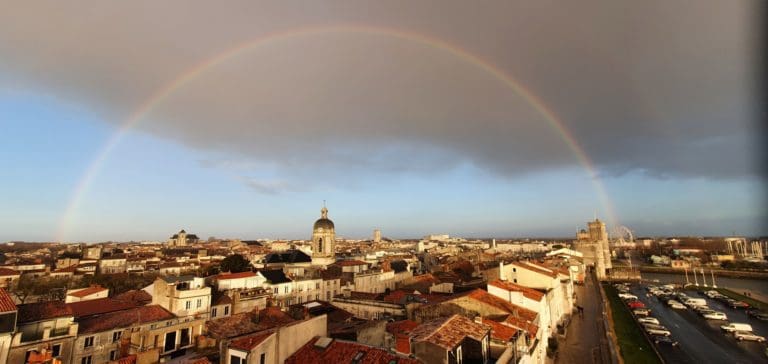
(132, 120)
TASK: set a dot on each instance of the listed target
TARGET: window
(199, 302)
(317, 285)
(277, 290)
(88, 342)
(213, 312)
(188, 304)
(86, 360)
(116, 335)
(285, 289)
(263, 358)
(236, 360)
(113, 355)
(56, 350)
(226, 310)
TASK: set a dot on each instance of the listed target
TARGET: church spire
(324, 211)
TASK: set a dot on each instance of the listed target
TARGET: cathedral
(593, 244)
(323, 240)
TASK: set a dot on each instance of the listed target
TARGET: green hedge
(633, 345)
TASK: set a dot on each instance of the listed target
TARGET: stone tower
(323, 236)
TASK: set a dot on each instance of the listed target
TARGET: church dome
(324, 222)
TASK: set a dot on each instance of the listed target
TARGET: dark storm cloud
(659, 87)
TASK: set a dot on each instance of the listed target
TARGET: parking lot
(701, 340)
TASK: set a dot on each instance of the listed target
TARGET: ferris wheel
(622, 234)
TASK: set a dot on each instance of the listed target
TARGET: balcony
(60, 331)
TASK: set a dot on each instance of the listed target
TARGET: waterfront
(736, 284)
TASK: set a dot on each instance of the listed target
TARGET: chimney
(502, 276)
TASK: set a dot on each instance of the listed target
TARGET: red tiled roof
(9, 272)
(224, 276)
(98, 306)
(39, 311)
(6, 302)
(222, 300)
(534, 268)
(248, 323)
(348, 263)
(522, 324)
(124, 318)
(88, 291)
(489, 299)
(513, 287)
(500, 331)
(247, 343)
(344, 352)
(139, 297)
(449, 332)
(404, 326)
(71, 269)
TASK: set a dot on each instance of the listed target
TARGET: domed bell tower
(323, 236)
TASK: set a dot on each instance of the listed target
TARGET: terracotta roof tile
(39, 311)
(9, 272)
(248, 323)
(500, 331)
(404, 327)
(513, 287)
(88, 291)
(345, 352)
(98, 306)
(6, 302)
(349, 263)
(535, 268)
(489, 299)
(449, 332)
(247, 343)
(138, 297)
(522, 324)
(124, 318)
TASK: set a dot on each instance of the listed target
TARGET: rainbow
(196, 70)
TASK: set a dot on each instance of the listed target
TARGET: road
(702, 341)
(586, 341)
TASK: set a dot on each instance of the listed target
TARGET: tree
(235, 263)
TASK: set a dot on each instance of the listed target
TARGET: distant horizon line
(551, 238)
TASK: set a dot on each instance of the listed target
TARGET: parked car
(656, 330)
(627, 296)
(705, 311)
(762, 316)
(748, 336)
(716, 316)
(648, 320)
(636, 304)
(641, 312)
(739, 304)
(664, 340)
(737, 326)
(675, 305)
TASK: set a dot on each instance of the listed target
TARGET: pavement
(586, 341)
(701, 340)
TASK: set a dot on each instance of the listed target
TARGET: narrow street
(586, 341)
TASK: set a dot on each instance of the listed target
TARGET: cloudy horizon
(413, 118)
